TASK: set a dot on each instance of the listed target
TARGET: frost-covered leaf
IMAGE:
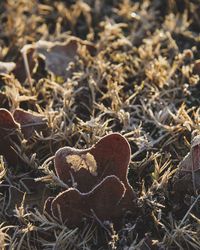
(58, 55)
(30, 122)
(95, 176)
(187, 177)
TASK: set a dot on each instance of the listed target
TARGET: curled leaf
(58, 55)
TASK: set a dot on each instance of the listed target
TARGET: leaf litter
(73, 73)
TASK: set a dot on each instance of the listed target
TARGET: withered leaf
(187, 177)
(19, 71)
(30, 122)
(58, 55)
(191, 161)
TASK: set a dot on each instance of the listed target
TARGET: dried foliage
(72, 72)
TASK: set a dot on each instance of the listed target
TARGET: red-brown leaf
(29, 122)
(8, 128)
(102, 202)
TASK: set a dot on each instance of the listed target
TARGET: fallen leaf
(58, 55)
(187, 177)
(191, 162)
(30, 122)
(20, 70)
(8, 130)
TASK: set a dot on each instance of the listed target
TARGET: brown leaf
(111, 155)
(195, 153)
(30, 122)
(57, 55)
(187, 177)
(20, 71)
(85, 169)
(8, 129)
(191, 161)
(102, 202)
(7, 121)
